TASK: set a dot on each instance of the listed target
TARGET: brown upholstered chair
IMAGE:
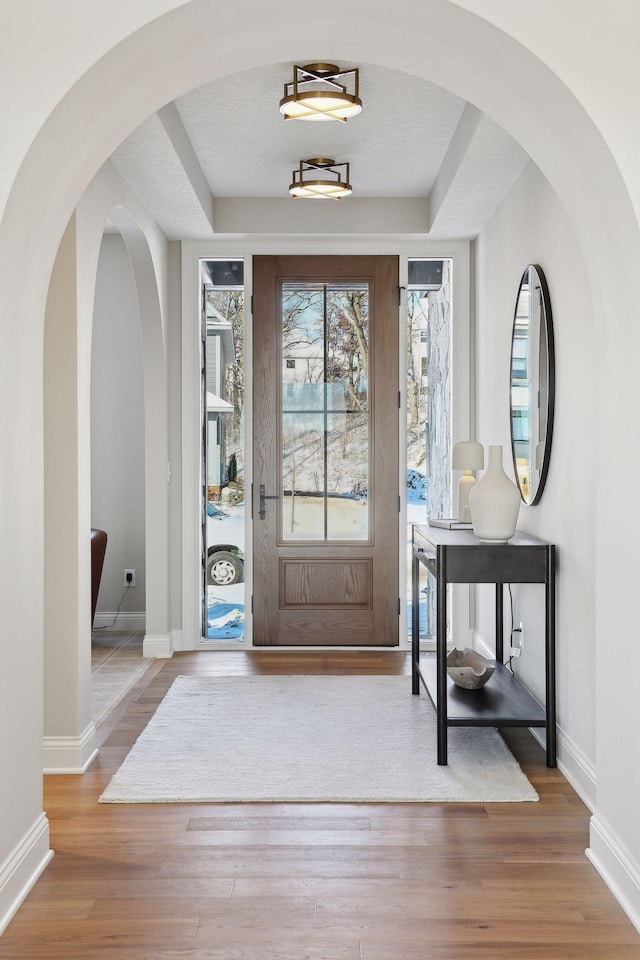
(98, 548)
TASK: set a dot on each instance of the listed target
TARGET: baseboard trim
(70, 754)
(574, 765)
(106, 620)
(619, 871)
(22, 868)
(159, 646)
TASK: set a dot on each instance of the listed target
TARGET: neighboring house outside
(219, 351)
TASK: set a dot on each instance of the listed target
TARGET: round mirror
(532, 384)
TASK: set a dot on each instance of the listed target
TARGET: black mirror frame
(548, 325)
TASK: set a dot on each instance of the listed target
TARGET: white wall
(174, 363)
(69, 733)
(117, 432)
(531, 226)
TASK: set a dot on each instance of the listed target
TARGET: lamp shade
(467, 455)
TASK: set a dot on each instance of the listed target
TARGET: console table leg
(415, 624)
(441, 656)
(550, 640)
(500, 622)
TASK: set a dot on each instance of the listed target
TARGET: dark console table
(457, 556)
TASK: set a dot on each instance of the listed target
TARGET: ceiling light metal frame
(317, 92)
(329, 186)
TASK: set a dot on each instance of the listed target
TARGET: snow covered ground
(226, 604)
(347, 521)
(303, 518)
(416, 513)
(225, 612)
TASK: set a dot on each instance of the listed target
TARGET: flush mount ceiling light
(319, 178)
(318, 92)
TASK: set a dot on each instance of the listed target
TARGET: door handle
(262, 510)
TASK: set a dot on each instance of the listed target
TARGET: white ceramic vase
(494, 501)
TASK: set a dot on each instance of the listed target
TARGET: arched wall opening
(468, 56)
(69, 731)
(149, 285)
(118, 440)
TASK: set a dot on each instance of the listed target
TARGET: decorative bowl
(469, 669)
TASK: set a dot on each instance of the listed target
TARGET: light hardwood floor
(313, 881)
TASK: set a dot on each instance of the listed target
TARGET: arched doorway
(467, 55)
(69, 733)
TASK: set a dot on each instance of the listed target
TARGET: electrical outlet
(129, 578)
(517, 640)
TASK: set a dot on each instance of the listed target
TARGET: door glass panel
(324, 412)
(347, 348)
(347, 468)
(223, 449)
(303, 476)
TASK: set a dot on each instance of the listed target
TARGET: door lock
(262, 510)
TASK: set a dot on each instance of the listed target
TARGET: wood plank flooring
(312, 881)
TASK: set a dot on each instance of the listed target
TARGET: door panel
(321, 583)
(325, 451)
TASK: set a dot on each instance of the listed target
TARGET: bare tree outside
(325, 403)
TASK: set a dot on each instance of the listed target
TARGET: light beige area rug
(309, 738)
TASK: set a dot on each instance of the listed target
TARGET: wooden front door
(325, 497)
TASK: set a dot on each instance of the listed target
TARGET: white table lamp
(467, 455)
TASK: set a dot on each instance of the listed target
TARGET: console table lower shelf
(503, 702)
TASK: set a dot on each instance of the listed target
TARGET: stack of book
(451, 524)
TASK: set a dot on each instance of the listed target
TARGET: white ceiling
(422, 160)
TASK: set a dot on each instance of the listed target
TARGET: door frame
(367, 613)
(185, 498)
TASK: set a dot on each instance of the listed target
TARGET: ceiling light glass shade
(317, 92)
(320, 178)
